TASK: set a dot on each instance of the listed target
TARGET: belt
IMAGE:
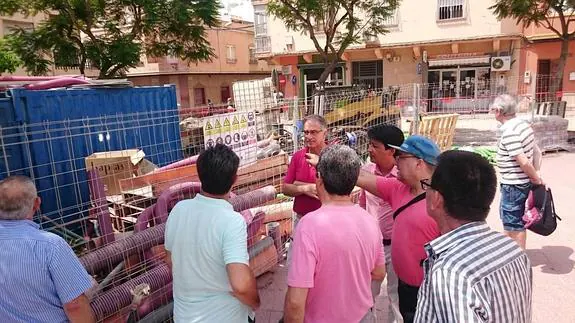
(387, 242)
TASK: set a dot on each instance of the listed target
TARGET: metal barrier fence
(113, 205)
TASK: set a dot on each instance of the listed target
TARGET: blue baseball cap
(420, 147)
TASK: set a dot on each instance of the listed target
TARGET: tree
(9, 60)
(111, 35)
(543, 13)
(334, 25)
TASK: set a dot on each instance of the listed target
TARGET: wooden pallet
(439, 128)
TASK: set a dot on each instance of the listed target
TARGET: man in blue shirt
(41, 279)
(206, 244)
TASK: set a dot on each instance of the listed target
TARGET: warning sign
(236, 130)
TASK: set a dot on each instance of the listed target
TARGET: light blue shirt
(204, 235)
(39, 273)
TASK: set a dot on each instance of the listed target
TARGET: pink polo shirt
(335, 249)
(412, 229)
(300, 170)
(375, 205)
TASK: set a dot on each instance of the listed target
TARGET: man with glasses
(382, 163)
(472, 273)
(412, 228)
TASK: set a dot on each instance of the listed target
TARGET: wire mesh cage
(109, 181)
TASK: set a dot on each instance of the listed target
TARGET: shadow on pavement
(553, 259)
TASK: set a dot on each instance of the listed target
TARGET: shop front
(459, 83)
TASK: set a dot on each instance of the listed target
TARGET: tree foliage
(334, 25)
(111, 35)
(557, 16)
(9, 60)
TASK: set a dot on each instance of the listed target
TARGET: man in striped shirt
(472, 273)
(515, 162)
(41, 279)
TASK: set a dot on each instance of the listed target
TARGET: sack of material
(540, 216)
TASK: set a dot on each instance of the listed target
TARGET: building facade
(235, 60)
(233, 44)
(9, 23)
(449, 44)
(541, 59)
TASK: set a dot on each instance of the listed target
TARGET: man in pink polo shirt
(382, 158)
(412, 227)
(299, 181)
(337, 250)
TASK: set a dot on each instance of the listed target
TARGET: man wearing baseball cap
(416, 159)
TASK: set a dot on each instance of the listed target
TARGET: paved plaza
(552, 257)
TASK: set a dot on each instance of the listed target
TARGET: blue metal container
(48, 134)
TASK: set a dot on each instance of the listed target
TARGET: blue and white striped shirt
(39, 273)
(474, 274)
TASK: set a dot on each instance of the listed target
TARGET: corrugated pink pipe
(117, 251)
(54, 83)
(184, 162)
(139, 242)
(173, 195)
(34, 78)
(155, 300)
(119, 297)
(253, 198)
(97, 191)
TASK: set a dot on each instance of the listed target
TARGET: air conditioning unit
(500, 63)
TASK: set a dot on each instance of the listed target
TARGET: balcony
(263, 45)
(393, 20)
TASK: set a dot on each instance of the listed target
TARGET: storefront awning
(460, 61)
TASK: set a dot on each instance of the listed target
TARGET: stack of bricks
(550, 132)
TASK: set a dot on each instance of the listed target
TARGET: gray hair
(17, 196)
(316, 118)
(505, 104)
(338, 168)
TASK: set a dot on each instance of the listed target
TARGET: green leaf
(116, 32)
(341, 23)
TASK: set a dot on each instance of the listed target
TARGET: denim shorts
(512, 208)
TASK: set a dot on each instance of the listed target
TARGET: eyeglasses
(312, 132)
(425, 184)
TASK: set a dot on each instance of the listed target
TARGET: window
(252, 53)
(260, 23)
(199, 96)
(393, 20)
(225, 93)
(10, 26)
(263, 44)
(231, 54)
(153, 59)
(368, 73)
(450, 9)
(318, 26)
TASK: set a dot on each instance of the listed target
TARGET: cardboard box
(112, 166)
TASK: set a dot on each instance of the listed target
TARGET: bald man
(41, 278)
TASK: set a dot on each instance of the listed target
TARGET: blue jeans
(512, 208)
